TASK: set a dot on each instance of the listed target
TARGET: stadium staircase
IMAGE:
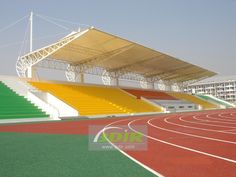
(215, 100)
(96, 100)
(191, 98)
(13, 106)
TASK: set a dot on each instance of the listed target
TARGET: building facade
(222, 87)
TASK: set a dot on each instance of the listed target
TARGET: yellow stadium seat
(96, 100)
(191, 98)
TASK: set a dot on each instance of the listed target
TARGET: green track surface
(48, 155)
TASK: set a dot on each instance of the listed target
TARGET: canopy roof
(101, 49)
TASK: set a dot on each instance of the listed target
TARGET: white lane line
(209, 121)
(186, 126)
(210, 116)
(200, 121)
(220, 118)
(127, 155)
(220, 131)
(179, 146)
(233, 114)
(230, 130)
(223, 116)
(188, 134)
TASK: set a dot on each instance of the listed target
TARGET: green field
(49, 155)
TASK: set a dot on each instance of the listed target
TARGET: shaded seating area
(193, 99)
(158, 95)
(163, 99)
(96, 100)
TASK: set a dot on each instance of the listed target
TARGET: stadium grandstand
(162, 78)
(157, 116)
(95, 52)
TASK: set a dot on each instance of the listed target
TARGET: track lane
(215, 119)
(227, 115)
(177, 160)
(173, 124)
(163, 157)
(202, 128)
(220, 149)
(174, 160)
(217, 125)
(212, 125)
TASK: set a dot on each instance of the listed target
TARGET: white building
(222, 87)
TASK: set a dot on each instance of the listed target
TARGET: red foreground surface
(191, 144)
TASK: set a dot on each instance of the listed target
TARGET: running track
(196, 144)
(188, 144)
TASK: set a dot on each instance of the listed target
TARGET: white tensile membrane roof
(101, 49)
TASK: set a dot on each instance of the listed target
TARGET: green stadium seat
(13, 106)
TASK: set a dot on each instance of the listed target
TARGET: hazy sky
(201, 32)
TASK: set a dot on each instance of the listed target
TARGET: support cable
(65, 21)
(23, 46)
(35, 39)
(12, 24)
(50, 21)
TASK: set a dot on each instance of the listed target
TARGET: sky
(202, 32)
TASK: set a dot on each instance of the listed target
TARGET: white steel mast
(31, 69)
(31, 31)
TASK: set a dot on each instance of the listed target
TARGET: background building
(222, 87)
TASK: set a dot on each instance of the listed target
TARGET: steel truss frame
(72, 73)
(27, 61)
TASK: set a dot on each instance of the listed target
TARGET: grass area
(44, 155)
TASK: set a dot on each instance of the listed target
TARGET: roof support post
(81, 77)
(29, 72)
(160, 84)
(151, 82)
(75, 73)
(152, 85)
(175, 87)
(110, 78)
(181, 86)
(115, 81)
(147, 83)
(168, 86)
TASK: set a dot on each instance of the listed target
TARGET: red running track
(195, 144)
(196, 148)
